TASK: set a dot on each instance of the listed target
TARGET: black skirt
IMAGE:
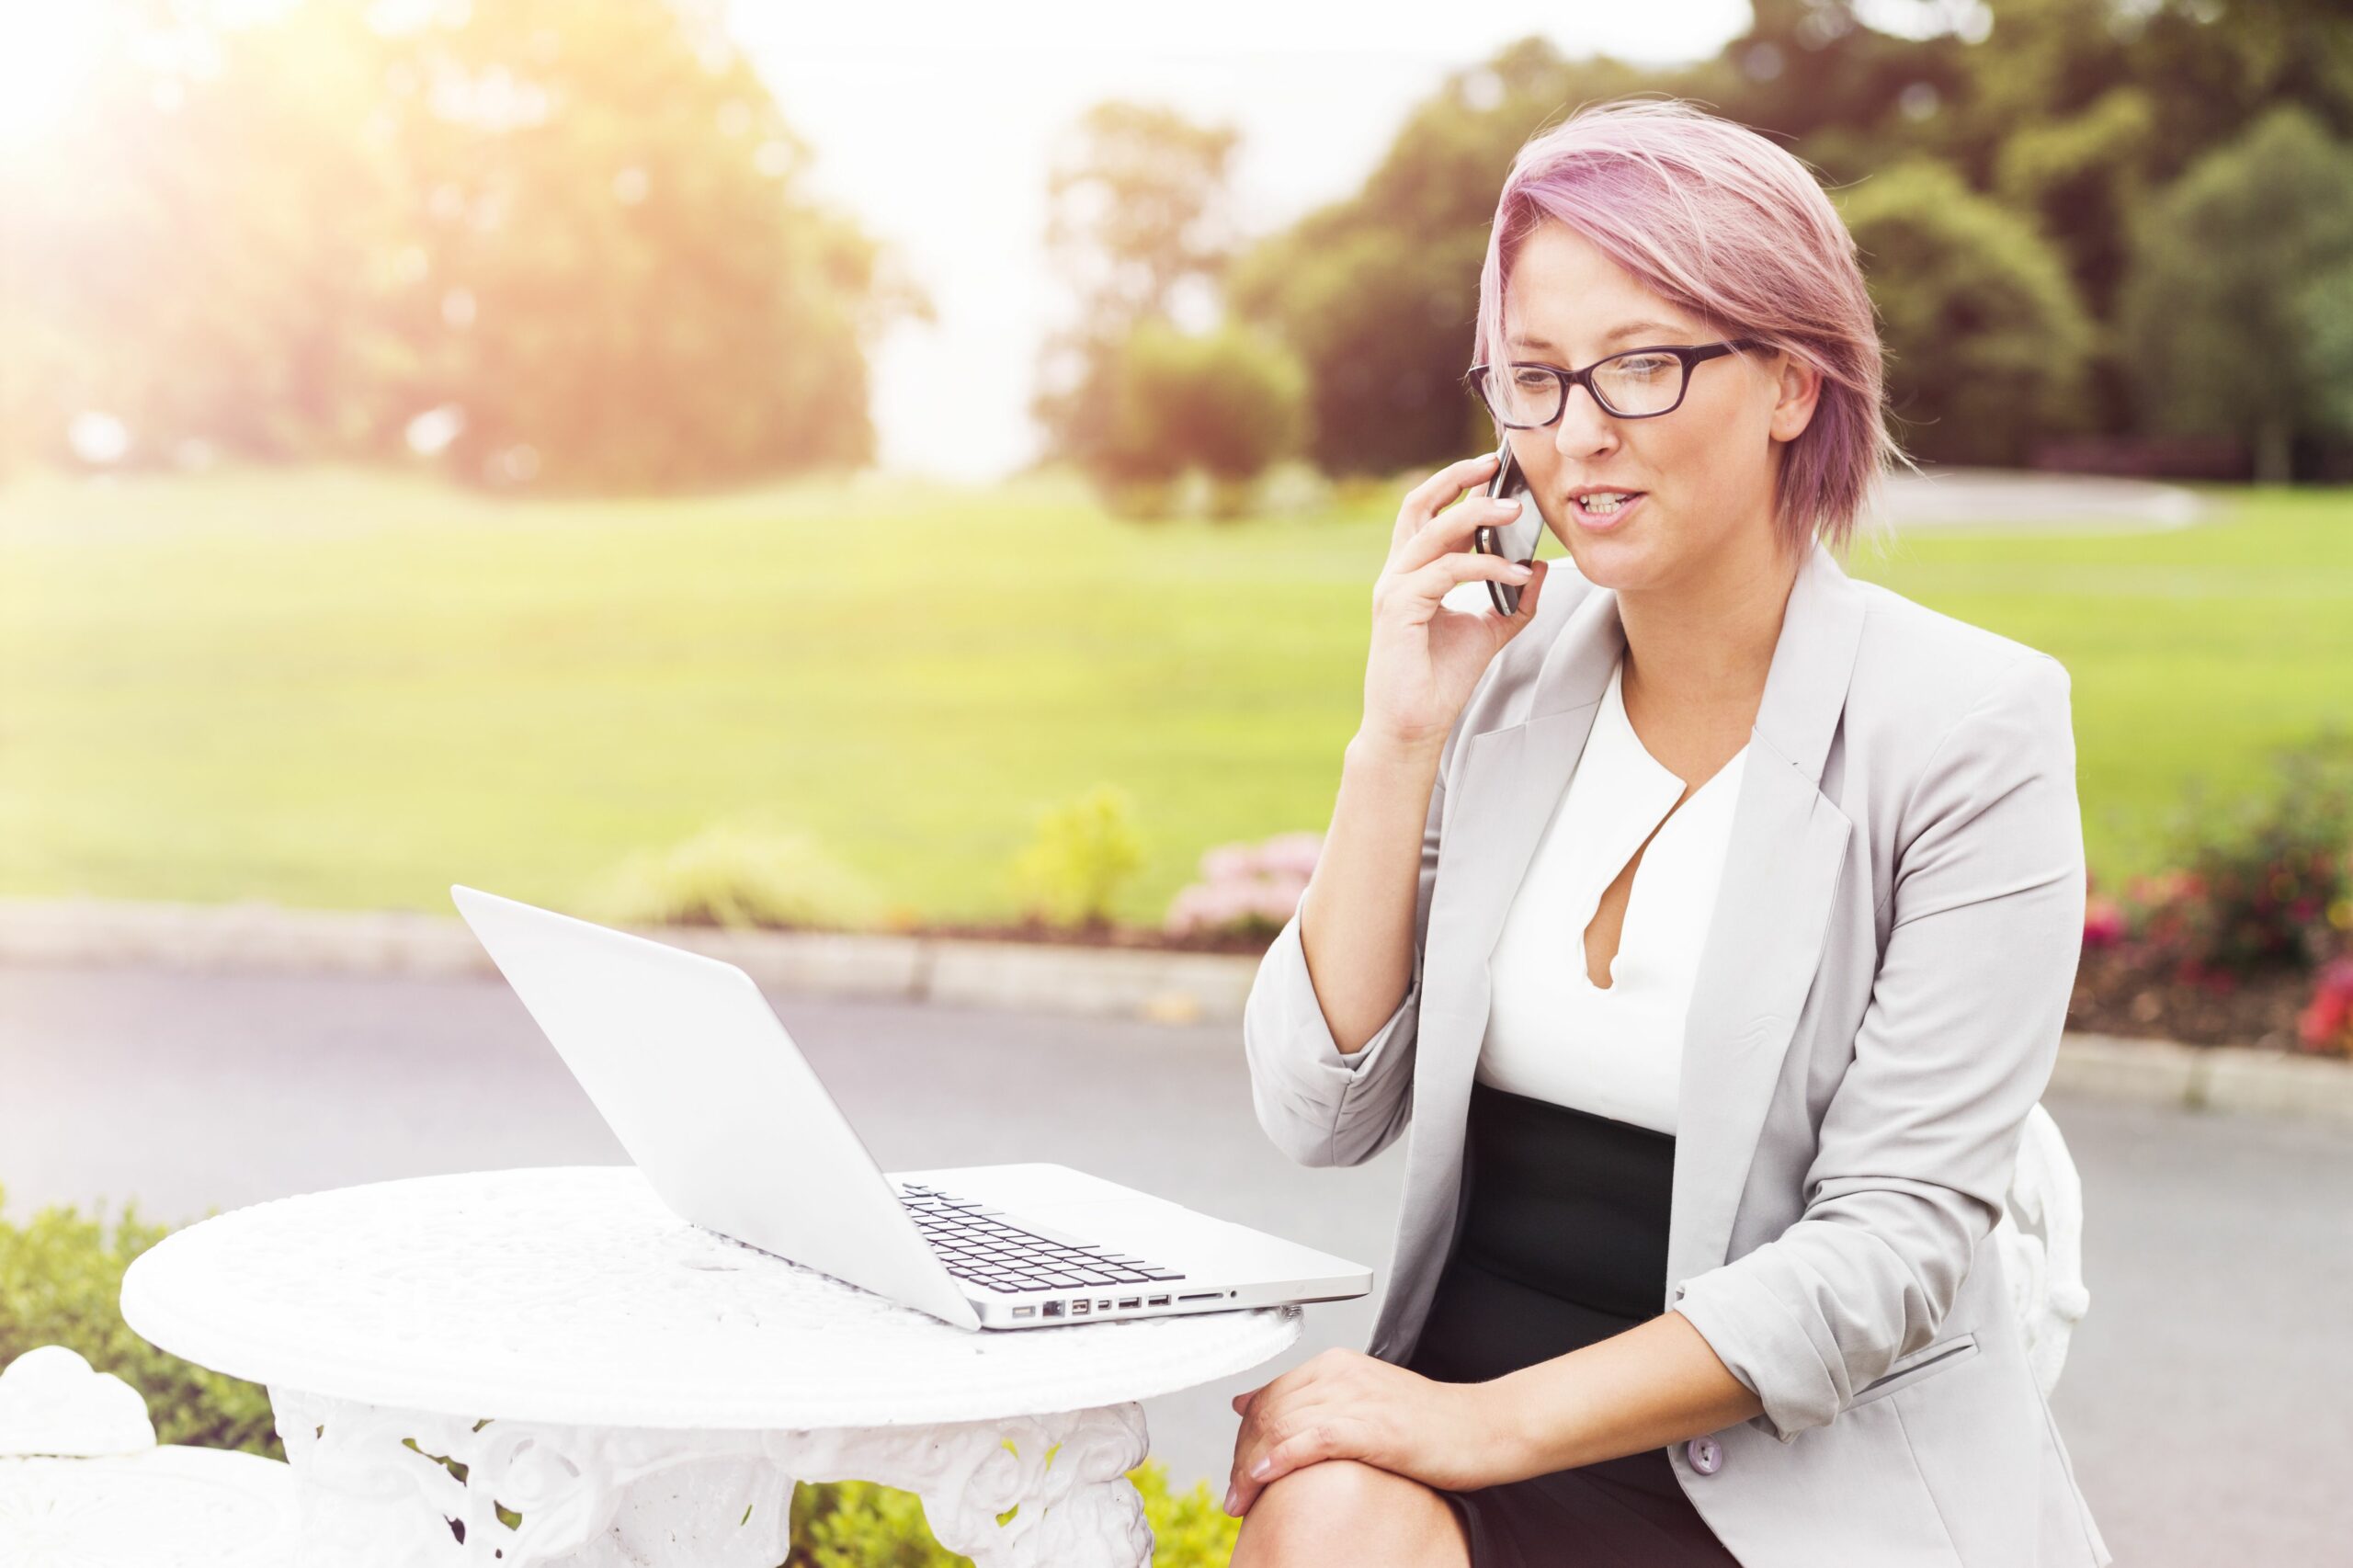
(1563, 1243)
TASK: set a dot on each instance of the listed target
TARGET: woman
(1707, 926)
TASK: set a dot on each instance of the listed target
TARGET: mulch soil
(2119, 991)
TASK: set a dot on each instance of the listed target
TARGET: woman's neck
(1698, 652)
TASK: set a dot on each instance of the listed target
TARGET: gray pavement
(2204, 1402)
(1942, 496)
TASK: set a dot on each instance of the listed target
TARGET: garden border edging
(1132, 982)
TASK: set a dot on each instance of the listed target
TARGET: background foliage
(536, 243)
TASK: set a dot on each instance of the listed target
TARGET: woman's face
(1706, 473)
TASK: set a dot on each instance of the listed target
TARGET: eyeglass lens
(1632, 384)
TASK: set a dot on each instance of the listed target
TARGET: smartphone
(1515, 540)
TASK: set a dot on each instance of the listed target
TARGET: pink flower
(1246, 886)
(2103, 923)
(1229, 863)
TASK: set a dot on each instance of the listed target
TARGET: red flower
(2326, 1022)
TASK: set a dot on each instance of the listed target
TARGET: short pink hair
(1734, 228)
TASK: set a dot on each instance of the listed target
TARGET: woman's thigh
(1345, 1511)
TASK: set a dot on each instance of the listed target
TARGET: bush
(735, 874)
(60, 1279)
(1083, 851)
(1247, 889)
(1227, 403)
(2264, 884)
(856, 1524)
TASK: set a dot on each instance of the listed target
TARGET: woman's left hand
(1345, 1404)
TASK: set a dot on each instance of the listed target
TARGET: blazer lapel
(1788, 847)
(1782, 864)
(1505, 791)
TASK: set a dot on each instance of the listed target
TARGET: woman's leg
(1342, 1511)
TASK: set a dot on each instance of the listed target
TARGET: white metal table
(447, 1354)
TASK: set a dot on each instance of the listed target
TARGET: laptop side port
(1129, 1301)
(1204, 1296)
(1052, 1310)
(1078, 1309)
(1157, 1301)
(1025, 1312)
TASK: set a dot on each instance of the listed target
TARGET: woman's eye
(1530, 381)
(1649, 365)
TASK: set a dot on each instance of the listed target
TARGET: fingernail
(1521, 572)
(1230, 1495)
(1514, 505)
(1258, 1471)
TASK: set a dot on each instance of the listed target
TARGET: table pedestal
(620, 1497)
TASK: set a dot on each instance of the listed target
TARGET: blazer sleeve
(1918, 1143)
(1319, 1106)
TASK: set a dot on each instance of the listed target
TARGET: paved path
(1943, 497)
(2205, 1405)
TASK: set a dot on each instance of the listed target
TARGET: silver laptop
(705, 1089)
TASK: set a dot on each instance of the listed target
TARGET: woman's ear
(1798, 387)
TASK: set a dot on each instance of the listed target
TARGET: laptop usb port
(1052, 1310)
(1078, 1309)
(1025, 1312)
(1128, 1301)
(1157, 1301)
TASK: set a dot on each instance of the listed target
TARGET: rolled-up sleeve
(1320, 1106)
(1918, 1143)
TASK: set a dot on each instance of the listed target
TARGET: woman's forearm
(1656, 1383)
(1356, 920)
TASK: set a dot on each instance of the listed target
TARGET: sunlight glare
(47, 52)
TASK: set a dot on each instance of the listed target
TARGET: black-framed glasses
(1638, 383)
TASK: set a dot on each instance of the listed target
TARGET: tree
(580, 233)
(1987, 345)
(2225, 262)
(1138, 212)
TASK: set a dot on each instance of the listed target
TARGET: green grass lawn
(344, 689)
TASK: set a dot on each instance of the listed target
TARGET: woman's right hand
(1426, 658)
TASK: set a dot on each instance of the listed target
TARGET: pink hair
(1712, 217)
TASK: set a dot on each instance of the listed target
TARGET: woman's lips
(1603, 523)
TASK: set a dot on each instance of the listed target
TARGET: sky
(934, 122)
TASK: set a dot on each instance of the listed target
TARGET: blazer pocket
(1924, 1362)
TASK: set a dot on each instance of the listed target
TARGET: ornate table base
(386, 1488)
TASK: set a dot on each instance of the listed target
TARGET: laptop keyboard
(978, 1246)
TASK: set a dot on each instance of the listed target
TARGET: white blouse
(1551, 1033)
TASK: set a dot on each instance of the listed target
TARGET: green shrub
(856, 1524)
(61, 1277)
(1227, 404)
(1084, 850)
(2263, 883)
(736, 874)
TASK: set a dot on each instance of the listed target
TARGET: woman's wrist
(1511, 1422)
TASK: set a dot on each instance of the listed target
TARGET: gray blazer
(1878, 1007)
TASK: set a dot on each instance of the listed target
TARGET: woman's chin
(1618, 561)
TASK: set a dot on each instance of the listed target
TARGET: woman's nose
(1583, 426)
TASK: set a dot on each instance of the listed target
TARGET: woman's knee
(1346, 1511)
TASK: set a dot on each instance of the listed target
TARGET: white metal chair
(84, 1484)
(2041, 1234)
